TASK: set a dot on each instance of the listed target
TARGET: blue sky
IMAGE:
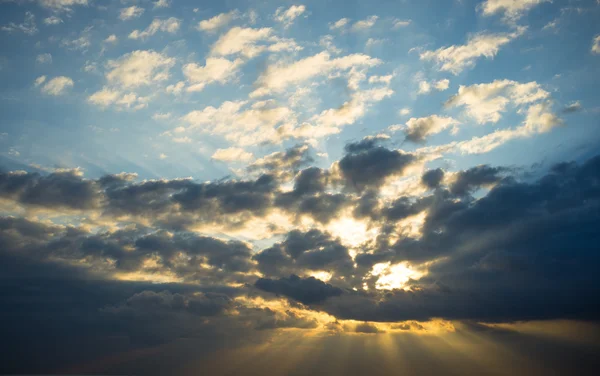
(554, 50)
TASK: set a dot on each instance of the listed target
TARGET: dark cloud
(305, 290)
(289, 161)
(313, 250)
(65, 190)
(432, 178)
(473, 178)
(369, 167)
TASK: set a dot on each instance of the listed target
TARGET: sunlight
(351, 231)
(394, 276)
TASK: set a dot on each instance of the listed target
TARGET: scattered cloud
(457, 58)
(232, 154)
(130, 12)
(140, 67)
(55, 86)
(44, 58)
(287, 16)
(512, 10)
(27, 27)
(170, 25)
(217, 22)
(217, 69)
(596, 45)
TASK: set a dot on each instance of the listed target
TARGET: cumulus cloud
(232, 154)
(486, 102)
(52, 20)
(171, 25)
(512, 10)
(250, 42)
(287, 16)
(217, 22)
(140, 67)
(55, 86)
(44, 58)
(216, 69)
(457, 58)
(130, 12)
(278, 77)
(596, 45)
(426, 87)
(364, 24)
(418, 129)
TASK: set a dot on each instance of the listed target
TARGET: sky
(293, 188)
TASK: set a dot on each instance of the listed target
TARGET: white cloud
(111, 39)
(278, 77)
(61, 5)
(40, 80)
(44, 58)
(107, 97)
(161, 116)
(217, 69)
(486, 102)
(130, 12)
(175, 89)
(596, 45)
(217, 22)
(426, 87)
(52, 20)
(250, 42)
(57, 86)
(400, 24)
(162, 4)
(381, 79)
(540, 119)
(243, 125)
(511, 9)
(232, 154)
(163, 156)
(339, 24)
(418, 129)
(81, 43)
(404, 111)
(139, 68)
(27, 26)
(287, 17)
(365, 24)
(455, 59)
(170, 25)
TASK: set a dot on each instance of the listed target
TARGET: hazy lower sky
(326, 187)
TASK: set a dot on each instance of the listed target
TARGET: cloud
(52, 20)
(241, 124)
(232, 154)
(596, 45)
(369, 168)
(441, 85)
(572, 107)
(511, 9)
(57, 85)
(277, 78)
(217, 69)
(170, 25)
(486, 102)
(287, 17)
(365, 24)
(418, 129)
(250, 42)
(27, 27)
(162, 4)
(400, 24)
(130, 12)
(111, 39)
(432, 178)
(307, 291)
(217, 22)
(457, 58)
(140, 67)
(122, 101)
(44, 58)
(62, 5)
(339, 24)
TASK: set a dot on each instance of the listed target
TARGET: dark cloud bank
(524, 250)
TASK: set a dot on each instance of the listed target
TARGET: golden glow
(351, 232)
(321, 275)
(394, 276)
